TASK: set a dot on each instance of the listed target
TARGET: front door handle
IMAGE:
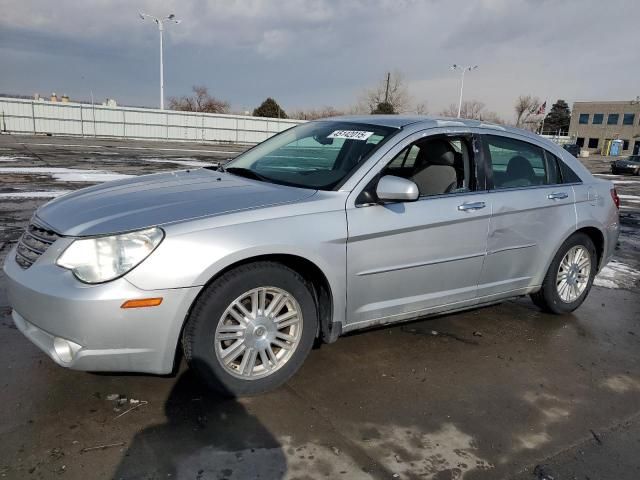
(471, 206)
(557, 195)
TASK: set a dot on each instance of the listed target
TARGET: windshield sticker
(351, 134)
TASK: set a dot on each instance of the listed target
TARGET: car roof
(400, 121)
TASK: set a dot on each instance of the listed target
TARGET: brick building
(594, 124)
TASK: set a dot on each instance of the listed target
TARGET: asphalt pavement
(486, 394)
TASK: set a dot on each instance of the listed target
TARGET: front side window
(438, 166)
(612, 119)
(597, 118)
(628, 118)
(584, 118)
(518, 164)
(316, 155)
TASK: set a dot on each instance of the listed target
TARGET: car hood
(157, 199)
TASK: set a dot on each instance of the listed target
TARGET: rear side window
(518, 164)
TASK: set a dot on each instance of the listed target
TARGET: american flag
(541, 109)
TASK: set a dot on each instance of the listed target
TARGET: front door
(409, 258)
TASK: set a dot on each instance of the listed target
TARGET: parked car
(326, 228)
(572, 148)
(626, 165)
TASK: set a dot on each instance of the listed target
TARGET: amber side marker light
(142, 302)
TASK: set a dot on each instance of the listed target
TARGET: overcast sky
(308, 53)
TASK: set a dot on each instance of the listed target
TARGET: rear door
(533, 211)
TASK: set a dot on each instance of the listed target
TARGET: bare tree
(391, 90)
(474, 110)
(422, 108)
(524, 107)
(200, 101)
(315, 114)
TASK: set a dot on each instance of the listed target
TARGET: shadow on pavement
(205, 436)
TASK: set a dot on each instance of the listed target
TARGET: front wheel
(570, 276)
(251, 329)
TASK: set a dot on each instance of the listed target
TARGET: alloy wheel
(573, 274)
(258, 332)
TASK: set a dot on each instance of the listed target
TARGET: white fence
(56, 118)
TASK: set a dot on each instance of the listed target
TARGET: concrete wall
(56, 118)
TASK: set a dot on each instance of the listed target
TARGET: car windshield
(316, 155)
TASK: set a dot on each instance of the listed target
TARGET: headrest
(519, 167)
(437, 152)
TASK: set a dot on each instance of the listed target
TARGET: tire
(549, 298)
(217, 315)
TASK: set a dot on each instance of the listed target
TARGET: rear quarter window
(567, 174)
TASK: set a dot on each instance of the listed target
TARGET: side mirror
(396, 189)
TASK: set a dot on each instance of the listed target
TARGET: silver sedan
(326, 228)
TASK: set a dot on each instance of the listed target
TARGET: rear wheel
(570, 276)
(251, 329)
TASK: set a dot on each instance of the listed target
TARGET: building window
(625, 144)
(612, 119)
(628, 118)
(580, 141)
(593, 143)
(597, 118)
(584, 118)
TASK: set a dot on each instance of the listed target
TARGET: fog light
(65, 350)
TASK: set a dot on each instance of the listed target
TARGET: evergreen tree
(383, 108)
(558, 118)
(269, 108)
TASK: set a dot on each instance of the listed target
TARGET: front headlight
(100, 259)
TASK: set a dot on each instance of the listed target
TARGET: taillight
(615, 198)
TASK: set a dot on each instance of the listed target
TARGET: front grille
(34, 242)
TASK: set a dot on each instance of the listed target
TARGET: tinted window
(628, 118)
(584, 118)
(597, 118)
(580, 142)
(625, 144)
(517, 164)
(438, 165)
(612, 119)
(593, 143)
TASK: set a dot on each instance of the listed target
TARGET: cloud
(310, 53)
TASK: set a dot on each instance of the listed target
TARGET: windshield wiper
(247, 173)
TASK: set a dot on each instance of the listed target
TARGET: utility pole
(160, 22)
(386, 93)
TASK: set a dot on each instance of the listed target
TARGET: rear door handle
(471, 206)
(557, 195)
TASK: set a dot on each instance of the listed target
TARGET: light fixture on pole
(160, 22)
(463, 69)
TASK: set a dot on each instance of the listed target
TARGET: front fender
(193, 258)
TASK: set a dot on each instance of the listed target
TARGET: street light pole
(160, 22)
(463, 69)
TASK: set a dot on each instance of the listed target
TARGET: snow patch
(617, 275)
(41, 194)
(187, 162)
(68, 174)
(13, 158)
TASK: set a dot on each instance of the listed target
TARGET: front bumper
(84, 327)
